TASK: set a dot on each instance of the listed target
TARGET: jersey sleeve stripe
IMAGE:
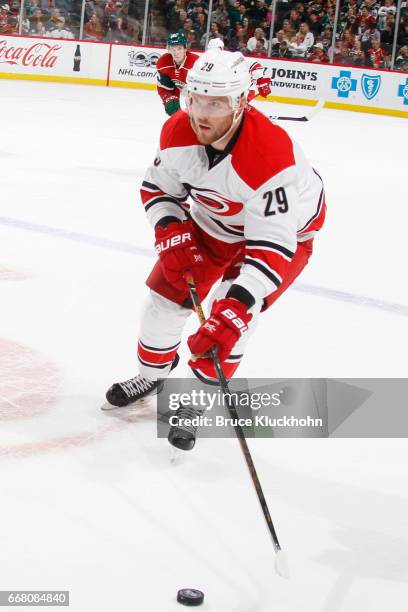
(271, 246)
(150, 186)
(272, 261)
(262, 268)
(319, 208)
(165, 198)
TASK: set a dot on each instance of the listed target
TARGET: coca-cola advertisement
(34, 54)
(63, 60)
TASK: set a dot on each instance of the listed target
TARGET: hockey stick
(308, 117)
(281, 564)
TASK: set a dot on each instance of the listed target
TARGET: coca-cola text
(39, 54)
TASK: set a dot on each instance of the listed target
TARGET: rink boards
(342, 87)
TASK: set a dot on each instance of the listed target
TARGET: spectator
(60, 31)
(356, 54)
(371, 7)
(318, 54)
(187, 27)
(116, 33)
(387, 34)
(294, 20)
(213, 33)
(8, 24)
(219, 11)
(297, 46)
(182, 16)
(192, 41)
(234, 13)
(174, 15)
(308, 36)
(38, 29)
(238, 39)
(258, 36)
(315, 25)
(258, 13)
(110, 7)
(301, 10)
(353, 25)
(223, 27)
(276, 41)
(376, 55)
(200, 25)
(53, 22)
(388, 8)
(284, 50)
(403, 35)
(30, 7)
(287, 29)
(37, 17)
(259, 50)
(401, 62)
(93, 29)
(326, 38)
(370, 34)
(195, 8)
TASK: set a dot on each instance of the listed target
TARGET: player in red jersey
(172, 70)
(256, 206)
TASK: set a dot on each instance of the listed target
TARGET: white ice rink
(89, 501)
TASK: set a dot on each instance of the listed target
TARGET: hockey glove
(264, 86)
(178, 252)
(172, 105)
(228, 320)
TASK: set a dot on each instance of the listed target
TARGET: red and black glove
(264, 86)
(228, 320)
(178, 252)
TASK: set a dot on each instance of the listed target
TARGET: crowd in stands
(301, 29)
(104, 20)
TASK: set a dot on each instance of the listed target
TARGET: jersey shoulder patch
(262, 151)
(177, 132)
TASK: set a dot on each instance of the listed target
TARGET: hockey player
(256, 205)
(172, 69)
(259, 83)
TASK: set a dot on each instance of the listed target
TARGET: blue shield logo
(370, 85)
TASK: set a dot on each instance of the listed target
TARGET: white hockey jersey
(260, 190)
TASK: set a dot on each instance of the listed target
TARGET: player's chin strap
(235, 120)
(237, 116)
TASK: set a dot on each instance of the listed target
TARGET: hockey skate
(122, 394)
(183, 434)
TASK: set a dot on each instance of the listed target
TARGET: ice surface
(90, 501)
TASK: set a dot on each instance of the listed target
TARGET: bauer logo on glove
(178, 252)
(172, 242)
(222, 330)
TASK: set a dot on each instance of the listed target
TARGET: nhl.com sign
(33, 55)
(141, 63)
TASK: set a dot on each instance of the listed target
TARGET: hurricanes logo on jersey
(215, 203)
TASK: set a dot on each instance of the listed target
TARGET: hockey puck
(190, 597)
